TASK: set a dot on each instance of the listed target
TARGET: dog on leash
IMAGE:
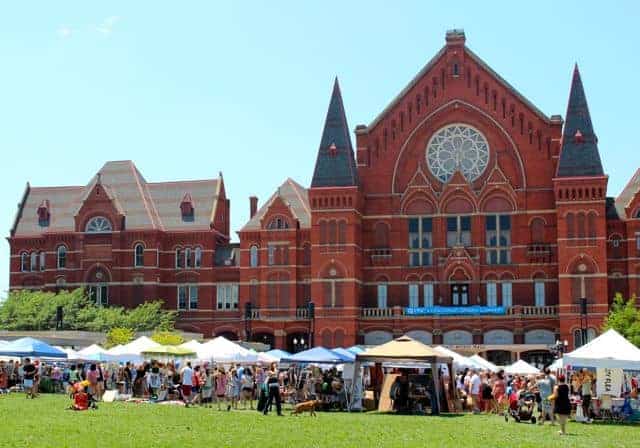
(306, 406)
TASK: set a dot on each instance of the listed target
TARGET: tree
(624, 317)
(36, 310)
(119, 336)
(167, 338)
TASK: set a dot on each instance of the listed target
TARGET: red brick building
(465, 216)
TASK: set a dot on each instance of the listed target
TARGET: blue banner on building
(456, 311)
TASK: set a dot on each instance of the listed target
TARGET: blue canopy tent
(279, 354)
(318, 355)
(355, 349)
(29, 347)
(344, 352)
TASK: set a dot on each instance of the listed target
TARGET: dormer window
(278, 223)
(44, 213)
(99, 224)
(187, 208)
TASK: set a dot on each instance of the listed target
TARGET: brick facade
(344, 242)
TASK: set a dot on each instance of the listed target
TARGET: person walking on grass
(29, 378)
(274, 390)
(546, 385)
(220, 386)
(187, 383)
(562, 404)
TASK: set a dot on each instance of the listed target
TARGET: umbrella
(26, 347)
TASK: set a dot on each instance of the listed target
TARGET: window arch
(253, 256)
(98, 224)
(61, 257)
(24, 262)
(138, 255)
(278, 223)
(536, 230)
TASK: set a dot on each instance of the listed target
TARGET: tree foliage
(624, 317)
(167, 338)
(36, 310)
(119, 336)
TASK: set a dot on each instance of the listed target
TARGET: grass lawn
(45, 422)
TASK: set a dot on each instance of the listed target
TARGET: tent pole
(435, 410)
(453, 389)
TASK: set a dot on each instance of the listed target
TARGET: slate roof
(579, 154)
(627, 194)
(335, 164)
(145, 205)
(297, 199)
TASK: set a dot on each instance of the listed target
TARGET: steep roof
(627, 194)
(145, 205)
(295, 196)
(579, 154)
(335, 164)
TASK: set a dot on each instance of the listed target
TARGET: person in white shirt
(475, 384)
(187, 383)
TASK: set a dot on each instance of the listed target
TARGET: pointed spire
(335, 164)
(579, 155)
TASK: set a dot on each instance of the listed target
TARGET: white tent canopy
(192, 345)
(483, 363)
(521, 367)
(91, 350)
(610, 350)
(459, 360)
(222, 350)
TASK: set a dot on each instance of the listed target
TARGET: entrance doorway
(264, 338)
(297, 342)
(460, 294)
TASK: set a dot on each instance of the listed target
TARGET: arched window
(99, 224)
(41, 255)
(188, 261)
(333, 232)
(253, 256)
(591, 225)
(34, 261)
(24, 262)
(179, 258)
(323, 232)
(197, 254)
(537, 230)
(138, 255)
(581, 225)
(61, 257)
(278, 223)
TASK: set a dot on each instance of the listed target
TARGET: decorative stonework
(457, 147)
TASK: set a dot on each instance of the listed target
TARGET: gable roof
(145, 205)
(434, 60)
(295, 196)
(335, 164)
(627, 194)
(579, 154)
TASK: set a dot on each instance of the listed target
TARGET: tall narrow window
(138, 257)
(227, 296)
(183, 293)
(414, 295)
(188, 261)
(428, 294)
(99, 294)
(420, 241)
(538, 288)
(498, 232)
(253, 256)
(492, 294)
(507, 300)
(193, 297)
(24, 262)
(42, 260)
(179, 258)
(197, 257)
(34, 261)
(459, 231)
(271, 254)
(61, 257)
(382, 295)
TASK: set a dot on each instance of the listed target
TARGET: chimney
(253, 206)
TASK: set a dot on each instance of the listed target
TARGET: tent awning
(610, 349)
(317, 355)
(30, 347)
(404, 350)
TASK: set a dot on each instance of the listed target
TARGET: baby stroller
(521, 407)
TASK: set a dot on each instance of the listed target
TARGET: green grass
(44, 422)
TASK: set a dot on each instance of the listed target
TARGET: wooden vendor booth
(407, 353)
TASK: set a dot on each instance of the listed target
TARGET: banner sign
(608, 381)
(455, 311)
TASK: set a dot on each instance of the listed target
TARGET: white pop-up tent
(521, 367)
(610, 350)
(460, 361)
(222, 350)
(192, 345)
(483, 363)
(91, 350)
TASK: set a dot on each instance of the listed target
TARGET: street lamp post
(248, 311)
(311, 309)
(584, 324)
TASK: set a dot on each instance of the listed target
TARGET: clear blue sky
(190, 89)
